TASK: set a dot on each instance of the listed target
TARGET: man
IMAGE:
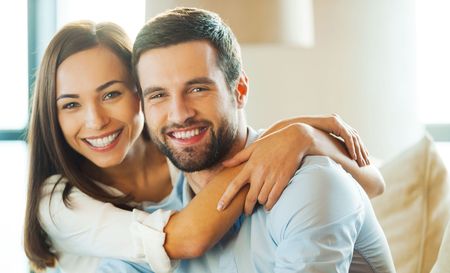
(194, 90)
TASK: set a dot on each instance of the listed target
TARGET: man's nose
(180, 110)
(96, 117)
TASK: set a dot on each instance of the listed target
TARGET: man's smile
(188, 136)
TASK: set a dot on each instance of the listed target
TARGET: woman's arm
(324, 142)
(335, 125)
(97, 229)
(193, 230)
(295, 137)
(368, 176)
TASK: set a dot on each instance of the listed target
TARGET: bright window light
(433, 60)
(12, 205)
(14, 65)
(130, 15)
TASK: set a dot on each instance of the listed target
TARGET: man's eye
(111, 95)
(156, 96)
(198, 89)
(70, 105)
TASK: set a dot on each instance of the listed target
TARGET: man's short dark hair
(181, 25)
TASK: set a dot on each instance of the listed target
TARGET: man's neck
(198, 180)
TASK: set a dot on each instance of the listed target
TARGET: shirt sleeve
(316, 223)
(93, 228)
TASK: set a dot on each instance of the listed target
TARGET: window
(433, 66)
(14, 68)
(13, 119)
(128, 14)
(12, 205)
(433, 61)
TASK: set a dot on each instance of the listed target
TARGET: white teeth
(186, 134)
(103, 141)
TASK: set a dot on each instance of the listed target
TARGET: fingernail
(354, 156)
(220, 205)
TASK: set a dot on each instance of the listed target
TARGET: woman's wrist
(305, 135)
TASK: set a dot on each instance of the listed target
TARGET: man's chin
(190, 165)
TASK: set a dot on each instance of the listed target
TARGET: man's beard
(197, 158)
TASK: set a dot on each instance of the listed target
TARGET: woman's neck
(143, 173)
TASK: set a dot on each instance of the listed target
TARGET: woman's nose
(96, 118)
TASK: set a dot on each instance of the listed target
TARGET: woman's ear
(242, 89)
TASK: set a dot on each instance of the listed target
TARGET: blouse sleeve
(93, 228)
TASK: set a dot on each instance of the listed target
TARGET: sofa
(414, 210)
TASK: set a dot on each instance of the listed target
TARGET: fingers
(341, 129)
(367, 155)
(265, 191)
(360, 159)
(252, 195)
(350, 144)
(352, 140)
(233, 188)
(240, 157)
(276, 191)
(364, 152)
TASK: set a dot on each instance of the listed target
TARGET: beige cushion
(414, 209)
(443, 261)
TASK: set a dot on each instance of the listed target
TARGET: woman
(91, 163)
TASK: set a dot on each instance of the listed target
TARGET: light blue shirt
(323, 222)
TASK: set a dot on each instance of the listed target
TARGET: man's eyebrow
(147, 91)
(98, 89)
(201, 80)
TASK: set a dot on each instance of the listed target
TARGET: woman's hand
(335, 125)
(272, 160)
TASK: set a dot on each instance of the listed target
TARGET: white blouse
(90, 230)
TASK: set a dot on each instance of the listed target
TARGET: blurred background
(380, 64)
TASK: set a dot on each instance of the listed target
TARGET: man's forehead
(178, 63)
(181, 53)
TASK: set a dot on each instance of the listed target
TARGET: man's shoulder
(322, 170)
(318, 161)
(319, 177)
(320, 192)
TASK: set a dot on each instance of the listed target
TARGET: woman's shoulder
(50, 182)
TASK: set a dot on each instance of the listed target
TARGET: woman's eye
(70, 105)
(111, 95)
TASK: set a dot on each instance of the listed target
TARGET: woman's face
(98, 108)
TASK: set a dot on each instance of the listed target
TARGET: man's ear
(242, 89)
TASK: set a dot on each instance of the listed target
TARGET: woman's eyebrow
(107, 84)
(64, 96)
(98, 89)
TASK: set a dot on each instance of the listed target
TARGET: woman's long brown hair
(49, 153)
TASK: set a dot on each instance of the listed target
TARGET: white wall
(362, 67)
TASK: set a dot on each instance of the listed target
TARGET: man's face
(191, 113)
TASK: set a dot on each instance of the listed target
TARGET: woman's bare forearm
(367, 176)
(196, 228)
